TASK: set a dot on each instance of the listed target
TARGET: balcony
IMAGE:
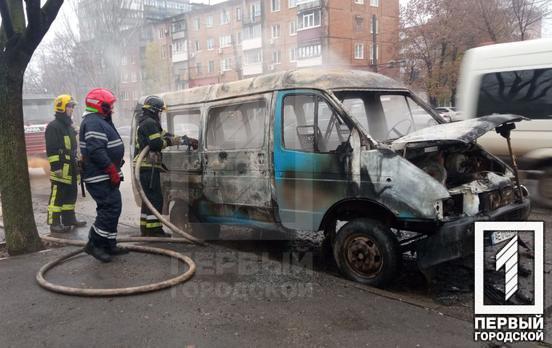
(252, 19)
(179, 35)
(308, 5)
(311, 61)
(252, 69)
(251, 44)
(179, 56)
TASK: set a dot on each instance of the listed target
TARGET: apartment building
(237, 39)
(241, 38)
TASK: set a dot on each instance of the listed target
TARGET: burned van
(350, 153)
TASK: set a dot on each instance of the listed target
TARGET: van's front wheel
(367, 252)
(183, 217)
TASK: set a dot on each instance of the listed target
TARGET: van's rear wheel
(183, 217)
(366, 251)
(545, 188)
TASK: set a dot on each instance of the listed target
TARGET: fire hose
(186, 238)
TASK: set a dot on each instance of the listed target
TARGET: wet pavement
(289, 291)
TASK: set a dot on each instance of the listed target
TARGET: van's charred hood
(464, 131)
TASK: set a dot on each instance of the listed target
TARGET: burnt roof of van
(317, 78)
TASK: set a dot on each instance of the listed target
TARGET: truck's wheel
(366, 251)
(182, 216)
(545, 188)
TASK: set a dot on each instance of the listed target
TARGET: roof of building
(315, 78)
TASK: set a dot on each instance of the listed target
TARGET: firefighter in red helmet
(102, 150)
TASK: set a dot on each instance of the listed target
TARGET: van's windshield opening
(386, 116)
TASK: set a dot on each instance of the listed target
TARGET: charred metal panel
(396, 183)
(464, 131)
(316, 78)
(237, 178)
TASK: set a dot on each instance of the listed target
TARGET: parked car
(448, 112)
(346, 152)
(514, 78)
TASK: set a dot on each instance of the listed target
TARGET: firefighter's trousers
(151, 183)
(103, 232)
(61, 209)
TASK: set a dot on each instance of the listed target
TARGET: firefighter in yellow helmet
(61, 149)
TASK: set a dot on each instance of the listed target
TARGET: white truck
(514, 78)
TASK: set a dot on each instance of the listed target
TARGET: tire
(545, 188)
(183, 217)
(375, 244)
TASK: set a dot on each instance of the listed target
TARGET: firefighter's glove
(175, 140)
(191, 142)
(114, 176)
(58, 173)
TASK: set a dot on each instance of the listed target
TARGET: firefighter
(151, 133)
(61, 149)
(102, 152)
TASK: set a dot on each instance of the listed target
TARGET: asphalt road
(244, 293)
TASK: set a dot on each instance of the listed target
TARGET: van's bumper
(455, 239)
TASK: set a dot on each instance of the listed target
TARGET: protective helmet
(100, 100)
(154, 104)
(62, 101)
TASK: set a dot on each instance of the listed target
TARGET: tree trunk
(19, 223)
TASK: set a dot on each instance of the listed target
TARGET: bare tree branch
(33, 15)
(6, 19)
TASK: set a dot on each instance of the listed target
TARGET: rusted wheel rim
(363, 256)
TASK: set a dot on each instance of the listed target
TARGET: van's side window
(187, 124)
(523, 92)
(236, 126)
(310, 124)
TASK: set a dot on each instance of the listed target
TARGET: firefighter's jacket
(100, 145)
(61, 149)
(150, 133)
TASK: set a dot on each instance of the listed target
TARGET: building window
(225, 41)
(309, 19)
(210, 44)
(198, 68)
(196, 45)
(309, 51)
(224, 17)
(254, 10)
(359, 50)
(374, 21)
(253, 56)
(226, 64)
(124, 60)
(275, 5)
(211, 67)
(276, 57)
(292, 3)
(196, 24)
(360, 2)
(252, 32)
(359, 23)
(293, 54)
(238, 14)
(293, 27)
(209, 21)
(238, 38)
(161, 33)
(374, 3)
(276, 31)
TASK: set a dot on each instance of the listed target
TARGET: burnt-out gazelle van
(351, 153)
